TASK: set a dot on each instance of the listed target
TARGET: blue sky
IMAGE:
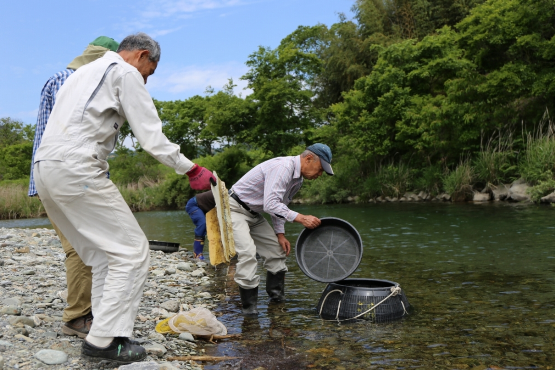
(204, 42)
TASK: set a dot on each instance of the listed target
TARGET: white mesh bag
(199, 321)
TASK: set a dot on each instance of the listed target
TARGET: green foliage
(230, 164)
(538, 162)
(128, 166)
(15, 161)
(394, 179)
(430, 180)
(458, 183)
(15, 132)
(543, 188)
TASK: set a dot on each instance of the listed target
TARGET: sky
(204, 42)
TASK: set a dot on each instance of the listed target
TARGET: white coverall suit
(70, 167)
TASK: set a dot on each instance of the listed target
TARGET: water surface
(480, 278)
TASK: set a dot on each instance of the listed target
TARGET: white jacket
(92, 105)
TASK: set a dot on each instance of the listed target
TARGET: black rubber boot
(121, 350)
(249, 299)
(275, 286)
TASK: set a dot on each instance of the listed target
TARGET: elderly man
(269, 187)
(70, 174)
(77, 315)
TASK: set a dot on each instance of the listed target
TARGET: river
(480, 279)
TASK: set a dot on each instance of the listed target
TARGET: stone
(22, 320)
(5, 283)
(518, 191)
(500, 192)
(187, 337)
(51, 357)
(171, 306)
(155, 349)
(151, 365)
(549, 198)
(1, 362)
(197, 273)
(13, 301)
(167, 366)
(28, 272)
(170, 271)
(51, 334)
(481, 197)
(10, 310)
(205, 295)
(23, 338)
(156, 336)
(5, 343)
(185, 266)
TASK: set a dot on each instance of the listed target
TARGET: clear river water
(480, 279)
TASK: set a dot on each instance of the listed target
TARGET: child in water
(197, 207)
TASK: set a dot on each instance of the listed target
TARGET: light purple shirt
(270, 186)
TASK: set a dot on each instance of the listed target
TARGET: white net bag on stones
(199, 321)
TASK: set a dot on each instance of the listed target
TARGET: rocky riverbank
(518, 191)
(32, 299)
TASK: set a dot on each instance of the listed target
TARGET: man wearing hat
(269, 187)
(77, 316)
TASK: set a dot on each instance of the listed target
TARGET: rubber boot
(198, 248)
(275, 286)
(249, 299)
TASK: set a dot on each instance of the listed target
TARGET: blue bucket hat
(324, 153)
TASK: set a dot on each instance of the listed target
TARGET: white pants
(254, 234)
(90, 211)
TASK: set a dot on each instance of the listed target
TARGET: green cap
(106, 42)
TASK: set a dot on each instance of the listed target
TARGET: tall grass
(458, 183)
(495, 163)
(14, 202)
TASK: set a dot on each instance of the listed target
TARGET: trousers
(91, 213)
(198, 217)
(79, 281)
(253, 234)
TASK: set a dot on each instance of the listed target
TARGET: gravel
(32, 299)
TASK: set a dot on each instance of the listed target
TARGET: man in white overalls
(70, 174)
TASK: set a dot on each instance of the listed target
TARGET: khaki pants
(254, 234)
(93, 216)
(79, 281)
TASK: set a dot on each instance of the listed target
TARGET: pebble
(1, 362)
(172, 306)
(10, 310)
(51, 357)
(151, 365)
(32, 302)
(156, 349)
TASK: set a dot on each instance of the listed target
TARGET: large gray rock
(185, 266)
(518, 193)
(481, 197)
(51, 357)
(500, 192)
(549, 198)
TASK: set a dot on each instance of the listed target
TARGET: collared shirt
(92, 106)
(270, 186)
(47, 100)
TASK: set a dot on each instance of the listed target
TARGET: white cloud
(191, 80)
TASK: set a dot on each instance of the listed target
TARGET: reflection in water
(481, 280)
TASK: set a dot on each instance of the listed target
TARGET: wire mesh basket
(363, 299)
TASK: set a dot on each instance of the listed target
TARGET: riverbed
(480, 279)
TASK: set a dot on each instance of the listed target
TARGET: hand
(310, 222)
(285, 245)
(199, 178)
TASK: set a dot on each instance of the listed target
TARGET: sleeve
(143, 119)
(275, 185)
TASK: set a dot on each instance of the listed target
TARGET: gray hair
(306, 153)
(141, 41)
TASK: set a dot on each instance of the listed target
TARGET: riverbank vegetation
(434, 96)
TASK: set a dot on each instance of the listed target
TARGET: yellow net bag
(199, 321)
(163, 328)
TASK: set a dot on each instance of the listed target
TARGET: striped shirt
(270, 186)
(47, 100)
